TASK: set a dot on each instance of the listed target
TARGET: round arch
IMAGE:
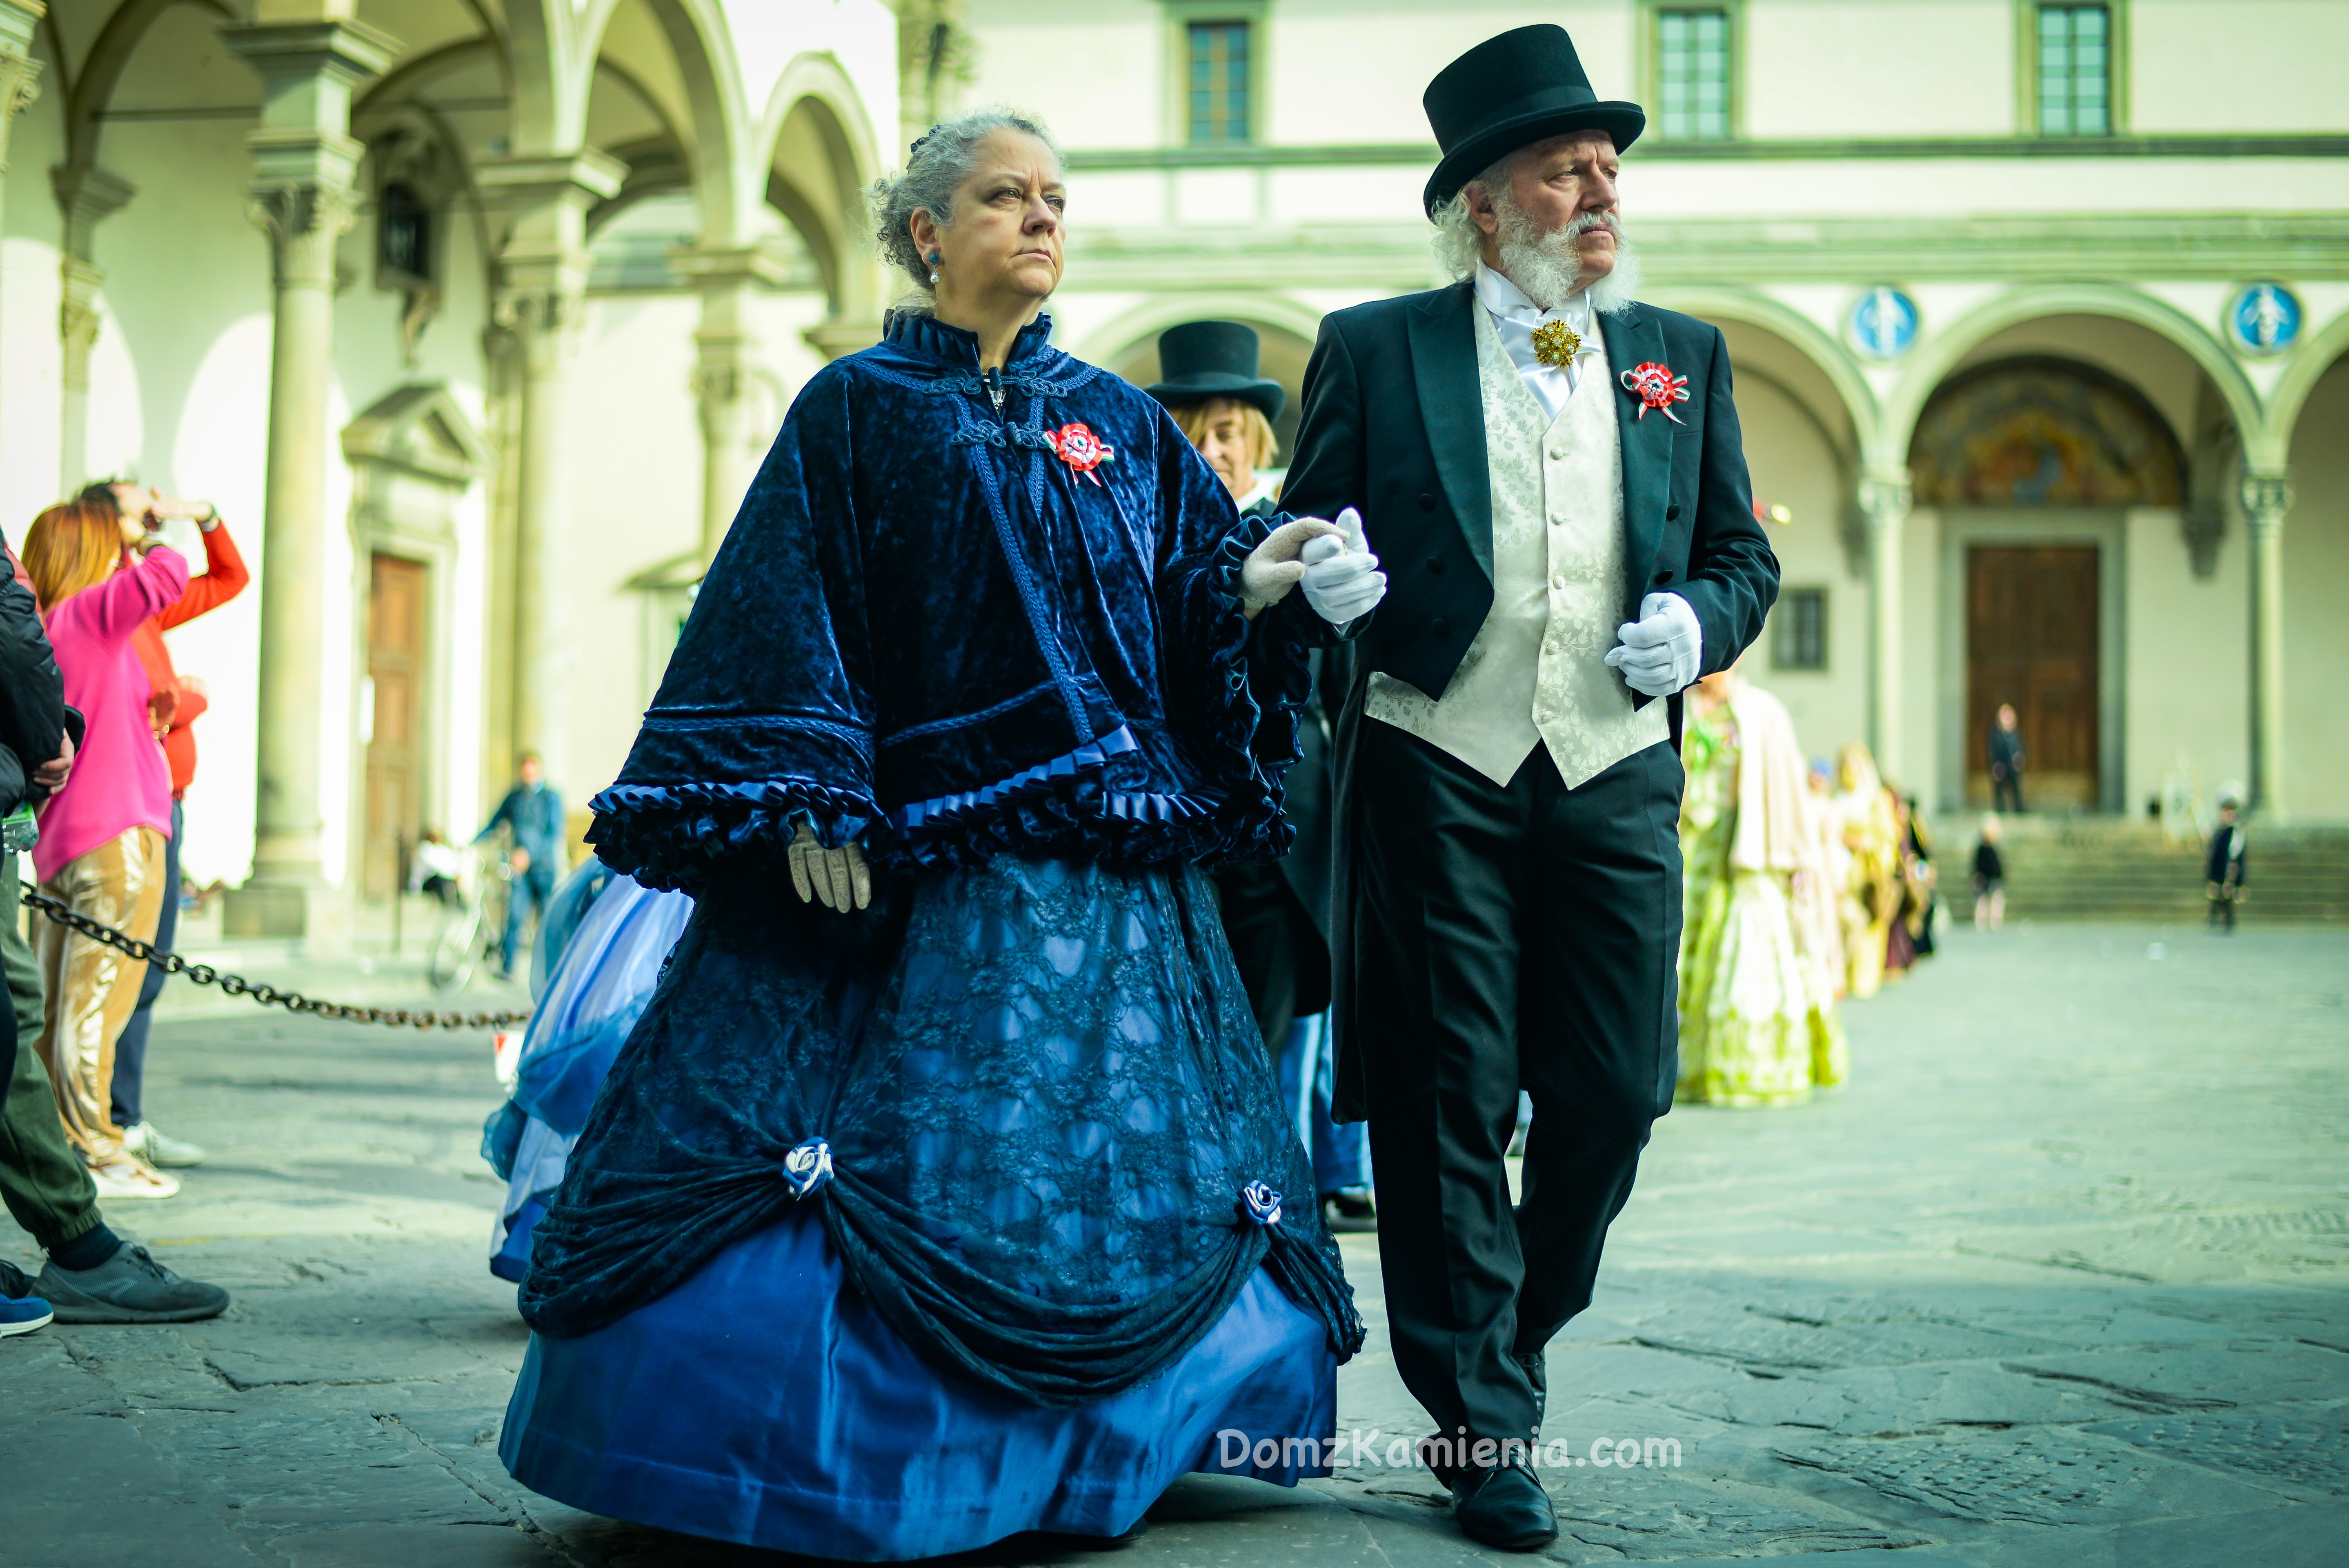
(2291, 392)
(550, 99)
(1800, 333)
(704, 52)
(1118, 337)
(833, 229)
(101, 71)
(1935, 360)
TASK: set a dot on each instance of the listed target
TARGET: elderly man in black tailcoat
(1553, 473)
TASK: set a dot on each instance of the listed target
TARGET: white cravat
(1514, 317)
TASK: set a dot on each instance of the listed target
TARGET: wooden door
(395, 752)
(2031, 635)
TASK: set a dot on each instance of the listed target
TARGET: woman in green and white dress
(1757, 1027)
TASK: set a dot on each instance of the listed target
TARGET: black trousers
(1270, 940)
(1508, 936)
(2006, 793)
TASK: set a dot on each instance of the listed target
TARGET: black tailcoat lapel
(1634, 338)
(1452, 409)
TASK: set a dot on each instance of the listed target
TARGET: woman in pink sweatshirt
(102, 836)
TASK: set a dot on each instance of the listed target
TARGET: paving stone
(2308, 1450)
(415, 1546)
(2037, 1476)
(42, 1532)
(2033, 1291)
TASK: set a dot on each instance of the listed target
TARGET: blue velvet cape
(927, 629)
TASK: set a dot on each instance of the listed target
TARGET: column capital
(729, 267)
(2267, 497)
(836, 334)
(542, 265)
(1885, 496)
(88, 196)
(20, 73)
(293, 55)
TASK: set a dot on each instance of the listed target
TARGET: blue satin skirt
(763, 1402)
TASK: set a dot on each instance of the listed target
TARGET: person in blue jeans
(533, 812)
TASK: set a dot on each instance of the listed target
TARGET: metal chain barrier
(268, 996)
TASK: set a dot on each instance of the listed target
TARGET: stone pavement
(2059, 1279)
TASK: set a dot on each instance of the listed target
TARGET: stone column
(302, 198)
(1884, 501)
(88, 196)
(725, 366)
(541, 276)
(19, 72)
(2267, 500)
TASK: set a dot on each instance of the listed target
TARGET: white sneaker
(128, 1176)
(144, 1140)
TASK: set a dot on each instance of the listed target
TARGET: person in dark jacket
(1553, 475)
(1277, 917)
(2222, 874)
(533, 812)
(2006, 760)
(92, 1275)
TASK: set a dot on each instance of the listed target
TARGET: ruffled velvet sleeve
(1236, 688)
(766, 710)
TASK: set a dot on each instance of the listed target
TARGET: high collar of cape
(918, 339)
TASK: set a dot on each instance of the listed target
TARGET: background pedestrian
(176, 702)
(1990, 878)
(2222, 872)
(101, 836)
(533, 812)
(2006, 760)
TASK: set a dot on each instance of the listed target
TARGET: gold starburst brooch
(1556, 344)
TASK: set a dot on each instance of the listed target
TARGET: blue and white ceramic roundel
(2265, 319)
(1883, 323)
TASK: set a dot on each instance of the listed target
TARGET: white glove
(1273, 567)
(838, 877)
(1342, 581)
(1661, 651)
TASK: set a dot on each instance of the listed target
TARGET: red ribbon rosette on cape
(1082, 449)
(1657, 388)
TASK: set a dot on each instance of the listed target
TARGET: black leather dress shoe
(1508, 1509)
(1537, 1366)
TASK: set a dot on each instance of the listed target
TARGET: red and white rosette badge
(1081, 450)
(1657, 388)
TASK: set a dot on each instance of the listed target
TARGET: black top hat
(1204, 359)
(1525, 85)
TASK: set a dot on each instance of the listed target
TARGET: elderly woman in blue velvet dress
(943, 1190)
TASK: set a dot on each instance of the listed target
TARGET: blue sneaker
(20, 1311)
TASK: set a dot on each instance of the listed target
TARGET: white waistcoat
(1536, 672)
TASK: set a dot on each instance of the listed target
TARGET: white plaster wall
(1878, 68)
(1792, 466)
(2315, 589)
(2188, 657)
(635, 436)
(2245, 66)
(1096, 73)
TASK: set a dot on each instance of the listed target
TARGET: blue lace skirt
(1028, 1296)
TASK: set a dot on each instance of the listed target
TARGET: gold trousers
(89, 989)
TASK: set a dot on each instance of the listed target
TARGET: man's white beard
(1545, 267)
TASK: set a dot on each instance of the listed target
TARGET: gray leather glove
(837, 878)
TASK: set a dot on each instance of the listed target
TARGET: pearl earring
(934, 269)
